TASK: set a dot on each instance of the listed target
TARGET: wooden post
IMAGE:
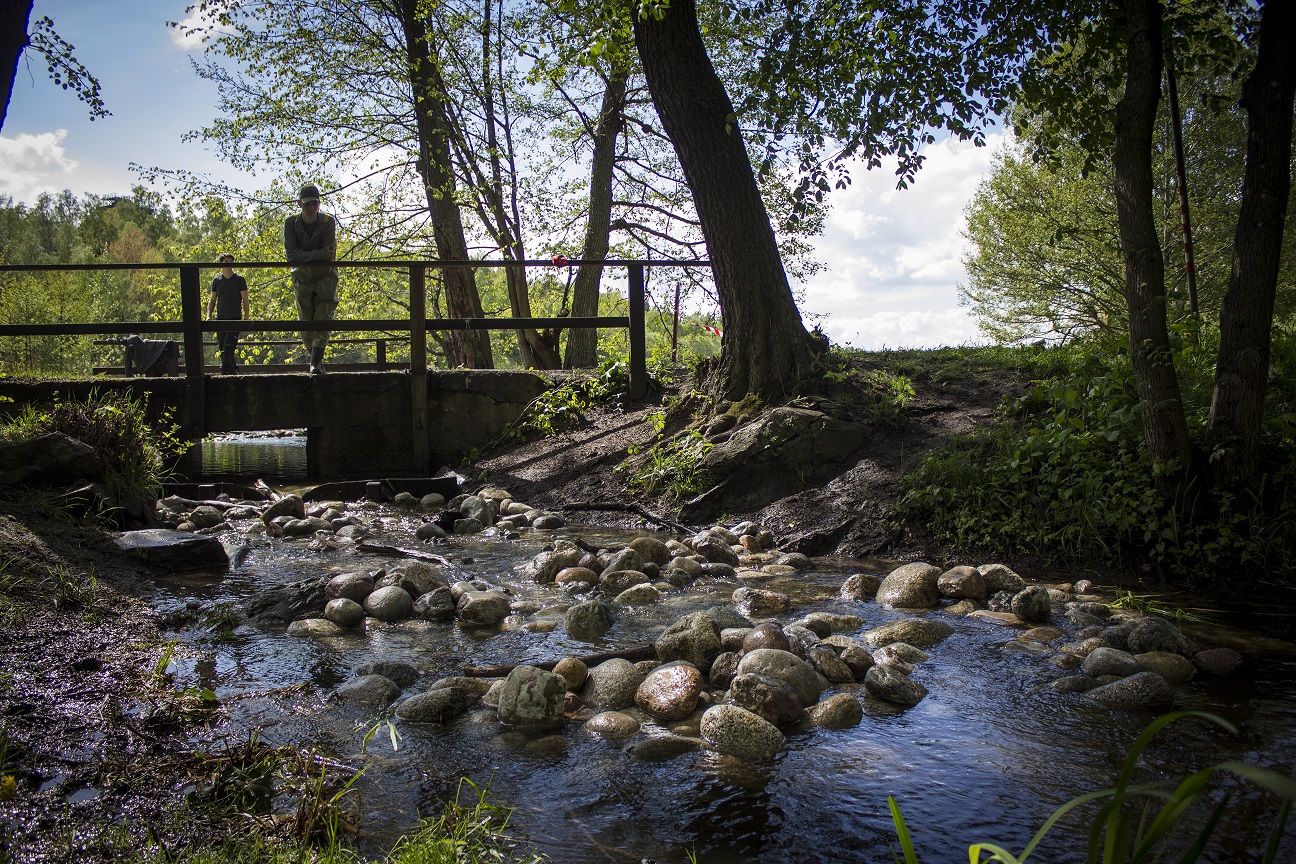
(381, 354)
(675, 328)
(195, 426)
(418, 370)
(638, 349)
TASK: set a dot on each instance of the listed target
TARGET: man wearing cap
(228, 302)
(310, 239)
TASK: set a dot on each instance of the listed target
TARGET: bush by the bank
(1064, 477)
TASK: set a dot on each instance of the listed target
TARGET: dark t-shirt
(229, 297)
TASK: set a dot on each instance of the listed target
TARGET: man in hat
(228, 302)
(310, 239)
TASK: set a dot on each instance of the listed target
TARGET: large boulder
(288, 602)
(532, 698)
(770, 698)
(611, 685)
(694, 638)
(839, 711)
(670, 692)
(786, 667)
(889, 685)
(50, 460)
(288, 505)
(962, 583)
(483, 608)
(389, 604)
(913, 586)
(1143, 691)
(173, 550)
(588, 621)
(738, 732)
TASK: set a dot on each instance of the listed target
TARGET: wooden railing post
(380, 354)
(638, 349)
(195, 396)
(418, 370)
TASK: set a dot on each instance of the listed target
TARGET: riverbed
(986, 756)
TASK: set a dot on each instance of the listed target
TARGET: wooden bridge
(359, 424)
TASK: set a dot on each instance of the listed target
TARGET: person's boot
(317, 360)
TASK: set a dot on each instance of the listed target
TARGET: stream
(987, 756)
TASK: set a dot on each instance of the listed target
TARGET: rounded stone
(611, 685)
(769, 698)
(912, 586)
(581, 575)
(651, 549)
(344, 612)
(1111, 661)
(738, 732)
(760, 603)
(999, 577)
(612, 724)
(1032, 605)
(786, 667)
(434, 706)
(368, 690)
(1217, 661)
(962, 583)
(389, 604)
(353, 586)
(766, 635)
(1175, 669)
(861, 587)
(839, 711)
(483, 608)
(921, 632)
(402, 674)
(573, 671)
(532, 698)
(1145, 690)
(588, 621)
(670, 692)
(639, 595)
(889, 685)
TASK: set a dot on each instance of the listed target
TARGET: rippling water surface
(987, 756)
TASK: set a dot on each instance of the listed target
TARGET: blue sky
(893, 256)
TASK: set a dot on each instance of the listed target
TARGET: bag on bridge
(152, 357)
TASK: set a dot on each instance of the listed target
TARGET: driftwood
(191, 503)
(620, 507)
(642, 652)
(260, 486)
(397, 552)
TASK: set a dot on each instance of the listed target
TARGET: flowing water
(987, 756)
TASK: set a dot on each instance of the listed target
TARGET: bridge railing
(192, 327)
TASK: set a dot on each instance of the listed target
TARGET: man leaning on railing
(310, 238)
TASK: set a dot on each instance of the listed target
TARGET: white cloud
(32, 164)
(894, 256)
(192, 31)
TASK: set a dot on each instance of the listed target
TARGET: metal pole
(1176, 128)
(418, 370)
(638, 347)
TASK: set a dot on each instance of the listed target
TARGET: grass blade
(902, 833)
(1276, 835)
(1199, 845)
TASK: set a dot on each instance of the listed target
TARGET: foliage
(471, 832)
(1127, 829)
(672, 468)
(1064, 477)
(64, 69)
(563, 407)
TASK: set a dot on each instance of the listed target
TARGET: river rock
(1096, 610)
(999, 577)
(670, 692)
(1032, 605)
(828, 664)
(962, 583)
(532, 698)
(912, 586)
(719, 570)
(416, 577)
(825, 624)
(769, 698)
(651, 549)
(767, 635)
(839, 711)
(1217, 661)
(573, 672)
(920, 632)
(288, 505)
(468, 525)
(314, 627)
(759, 603)
(659, 748)
(476, 507)
(1144, 691)
(174, 550)
(860, 587)
(639, 595)
(588, 621)
(694, 638)
(428, 531)
(738, 732)
(626, 559)
(613, 582)
(1111, 661)
(1074, 684)
(1174, 668)
(435, 605)
(206, 516)
(858, 661)
(368, 690)
(612, 724)
(611, 685)
(1154, 634)
(353, 586)
(545, 566)
(786, 667)
(435, 706)
(577, 576)
(344, 613)
(483, 608)
(716, 551)
(723, 670)
(389, 604)
(53, 459)
(731, 638)
(889, 685)
(800, 639)
(401, 674)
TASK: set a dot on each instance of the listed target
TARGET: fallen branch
(642, 652)
(397, 552)
(630, 508)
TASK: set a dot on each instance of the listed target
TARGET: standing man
(228, 302)
(310, 238)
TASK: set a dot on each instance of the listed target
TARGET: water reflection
(986, 757)
(249, 455)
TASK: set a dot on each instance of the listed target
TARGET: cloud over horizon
(33, 164)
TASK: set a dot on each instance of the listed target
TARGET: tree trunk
(470, 348)
(1246, 317)
(1165, 430)
(582, 345)
(14, 19)
(766, 349)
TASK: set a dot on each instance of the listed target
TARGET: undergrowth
(1064, 477)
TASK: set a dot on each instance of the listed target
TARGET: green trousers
(316, 301)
